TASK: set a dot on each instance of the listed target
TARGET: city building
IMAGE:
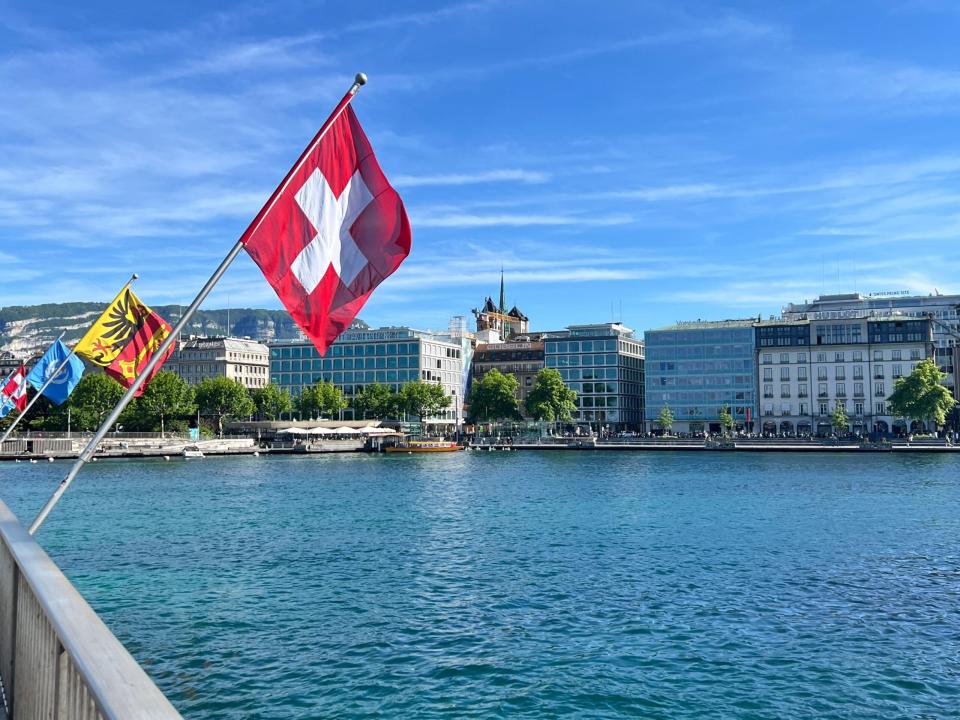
(495, 322)
(806, 368)
(201, 358)
(604, 363)
(9, 363)
(944, 311)
(390, 356)
(521, 357)
(698, 368)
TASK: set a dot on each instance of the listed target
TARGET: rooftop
(709, 324)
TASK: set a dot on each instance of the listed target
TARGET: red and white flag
(332, 231)
(15, 389)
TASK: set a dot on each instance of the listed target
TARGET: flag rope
(161, 351)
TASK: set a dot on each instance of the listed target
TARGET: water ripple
(524, 585)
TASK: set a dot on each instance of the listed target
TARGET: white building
(806, 368)
(200, 358)
(944, 310)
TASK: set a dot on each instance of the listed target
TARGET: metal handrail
(63, 658)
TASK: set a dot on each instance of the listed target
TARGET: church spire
(503, 297)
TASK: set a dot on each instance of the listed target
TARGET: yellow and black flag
(124, 339)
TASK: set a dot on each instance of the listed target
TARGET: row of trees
(169, 403)
(494, 397)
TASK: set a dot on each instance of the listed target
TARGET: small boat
(424, 446)
(192, 451)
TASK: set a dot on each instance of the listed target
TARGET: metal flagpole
(54, 375)
(185, 318)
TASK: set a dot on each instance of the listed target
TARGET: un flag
(63, 381)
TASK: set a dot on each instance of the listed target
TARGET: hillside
(29, 329)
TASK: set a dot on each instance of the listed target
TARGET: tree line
(170, 404)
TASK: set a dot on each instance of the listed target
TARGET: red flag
(15, 389)
(138, 350)
(332, 231)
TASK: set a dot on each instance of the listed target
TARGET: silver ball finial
(135, 276)
(360, 79)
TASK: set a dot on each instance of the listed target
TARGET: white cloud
(489, 176)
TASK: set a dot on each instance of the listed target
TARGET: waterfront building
(522, 357)
(604, 363)
(390, 356)
(9, 363)
(806, 368)
(200, 358)
(944, 311)
(696, 369)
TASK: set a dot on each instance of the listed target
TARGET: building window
(838, 357)
(784, 373)
(878, 389)
(822, 390)
(877, 355)
(767, 358)
(801, 373)
(840, 373)
(784, 358)
(768, 374)
(881, 408)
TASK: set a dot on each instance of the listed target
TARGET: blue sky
(650, 161)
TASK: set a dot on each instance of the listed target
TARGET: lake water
(674, 585)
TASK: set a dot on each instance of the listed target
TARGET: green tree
(494, 397)
(839, 419)
(92, 400)
(321, 399)
(221, 398)
(726, 420)
(423, 399)
(374, 400)
(166, 397)
(549, 399)
(665, 420)
(271, 402)
(921, 395)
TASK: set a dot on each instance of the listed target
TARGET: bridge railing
(57, 658)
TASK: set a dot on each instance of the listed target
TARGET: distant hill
(28, 329)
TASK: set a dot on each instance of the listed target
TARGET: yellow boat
(424, 446)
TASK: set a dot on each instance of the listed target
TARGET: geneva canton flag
(66, 380)
(333, 231)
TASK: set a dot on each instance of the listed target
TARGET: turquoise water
(523, 584)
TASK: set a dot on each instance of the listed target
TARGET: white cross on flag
(332, 232)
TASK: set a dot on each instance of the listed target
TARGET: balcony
(803, 395)
(768, 395)
(823, 395)
(784, 395)
(878, 376)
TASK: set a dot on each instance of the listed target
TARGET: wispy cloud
(488, 176)
(464, 220)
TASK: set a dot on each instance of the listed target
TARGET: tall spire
(503, 297)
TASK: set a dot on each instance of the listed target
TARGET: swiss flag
(15, 389)
(332, 231)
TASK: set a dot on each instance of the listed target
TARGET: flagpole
(51, 378)
(36, 395)
(85, 455)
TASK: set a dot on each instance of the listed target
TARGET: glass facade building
(604, 364)
(696, 369)
(389, 356)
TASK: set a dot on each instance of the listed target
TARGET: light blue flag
(65, 381)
